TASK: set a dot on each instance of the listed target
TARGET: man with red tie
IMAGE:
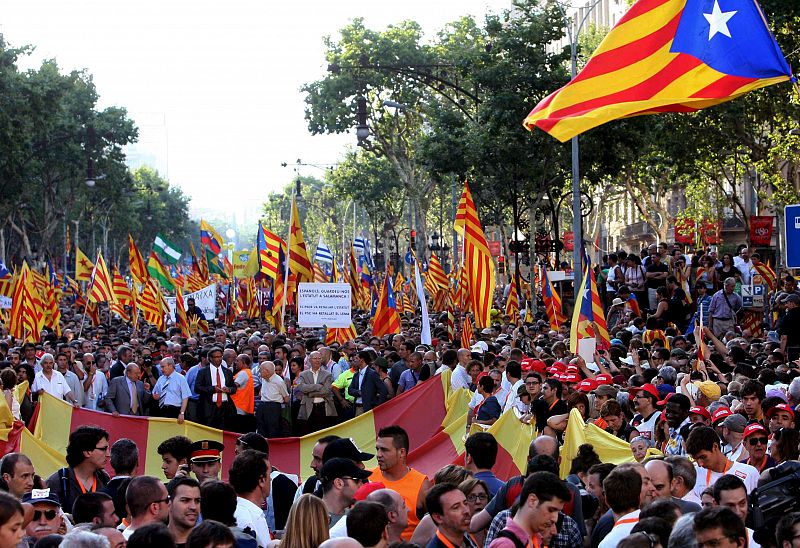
(214, 386)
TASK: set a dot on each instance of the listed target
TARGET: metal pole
(577, 224)
(455, 210)
(66, 250)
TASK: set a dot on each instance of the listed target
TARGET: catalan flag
(436, 272)
(181, 321)
(26, 319)
(588, 320)
(667, 56)
(298, 254)
(271, 253)
(319, 275)
(552, 302)
(136, 261)
(101, 285)
(467, 334)
(83, 266)
(477, 259)
(769, 276)
(386, 319)
(123, 296)
(512, 303)
(340, 335)
(210, 237)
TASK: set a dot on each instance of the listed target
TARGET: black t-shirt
(790, 326)
(653, 284)
(543, 411)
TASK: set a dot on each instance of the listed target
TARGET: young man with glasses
(87, 456)
(340, 478)
(719, 527)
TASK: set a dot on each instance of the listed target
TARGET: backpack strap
(505, 533)
(63, 476)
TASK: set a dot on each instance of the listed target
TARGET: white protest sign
(205, 299)
(323, 305)
(5, 302)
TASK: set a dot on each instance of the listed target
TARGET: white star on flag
(718, 21)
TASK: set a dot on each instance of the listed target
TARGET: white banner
(205, 299)
(324, 305)
(5, 302)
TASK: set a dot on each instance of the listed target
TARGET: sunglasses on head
(48, 514)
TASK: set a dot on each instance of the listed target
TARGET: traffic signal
(501, 264)
(413, 239)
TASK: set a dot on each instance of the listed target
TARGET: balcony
(637, 230)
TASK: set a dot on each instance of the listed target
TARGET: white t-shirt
(646, 427)
(249, 515)
(622, 528)
(705, 477)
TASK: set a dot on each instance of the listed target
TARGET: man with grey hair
(127, 395)
(682, 535)
(794, 391)
(684, 476)
(396, 511)
(725, 304)
(171, 391)
(273, 396)
(84, 539)
(51, 381)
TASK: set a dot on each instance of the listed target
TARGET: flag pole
(288, 260)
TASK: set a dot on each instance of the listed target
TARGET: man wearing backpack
(542, 498)
(87, 456)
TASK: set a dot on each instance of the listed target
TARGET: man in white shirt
(95, 384)
(460, 378)
(250, 478)
(623, 492)
(273, 395)
(514, 376)
(74, 383)
(703, 445)
(730, 492)
(51, 381)
(745, 265)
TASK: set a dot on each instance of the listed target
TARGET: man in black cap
(346, 448)
(206, 459)
(340, 479)
(47, 517)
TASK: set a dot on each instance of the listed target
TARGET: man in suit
(214, 386)
(317, 410)
(124, 357)
(366, 387)
(127, 395)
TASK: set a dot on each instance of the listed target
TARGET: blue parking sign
(792, 233)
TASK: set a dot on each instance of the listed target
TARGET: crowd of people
(706, 405)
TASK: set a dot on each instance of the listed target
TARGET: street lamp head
(230, 233)
(90, 183)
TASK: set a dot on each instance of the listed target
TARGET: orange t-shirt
(408, 487)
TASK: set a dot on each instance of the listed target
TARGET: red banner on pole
(760, 230)
(494, 247)
(685, 231)
(711, 232)
(569, 241)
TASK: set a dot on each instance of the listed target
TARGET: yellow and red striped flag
(83, 266)
(101, 285)
(319, 275)
(123, 294)
(477, 259)
(340, 335)
(152, 305)
(181, 320)
(467, 334)
(512, 303)
(299, 263)
(136, 262)
(666, 56)
(386, 319)
(26, 318)
(436, 272)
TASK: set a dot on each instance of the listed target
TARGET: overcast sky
(213, 86)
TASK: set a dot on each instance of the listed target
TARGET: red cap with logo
(587, 385)
(649, 388)
(570, 377)
(785, 407)
(754, 428)
(720, 414)
(702, 411)
(532, 364)
(604, 378)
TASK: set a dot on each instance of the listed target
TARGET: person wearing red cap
(780, 416)
(700, 415)
(756, 438)
(646, 420)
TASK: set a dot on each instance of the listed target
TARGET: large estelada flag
(667, 56)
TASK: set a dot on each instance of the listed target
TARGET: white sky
(213, 86)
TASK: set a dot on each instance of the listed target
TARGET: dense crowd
(713, 442)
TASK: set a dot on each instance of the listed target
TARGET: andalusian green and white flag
(166, 250)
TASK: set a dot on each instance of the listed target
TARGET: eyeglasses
(357, 480)
(651, 538)
(532, 383)
(103, 449)
(476, 498)
(712, 543)
(160, 501)
(756, 441)
(48, 514)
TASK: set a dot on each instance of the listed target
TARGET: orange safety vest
(244, 397)
(408, 487)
